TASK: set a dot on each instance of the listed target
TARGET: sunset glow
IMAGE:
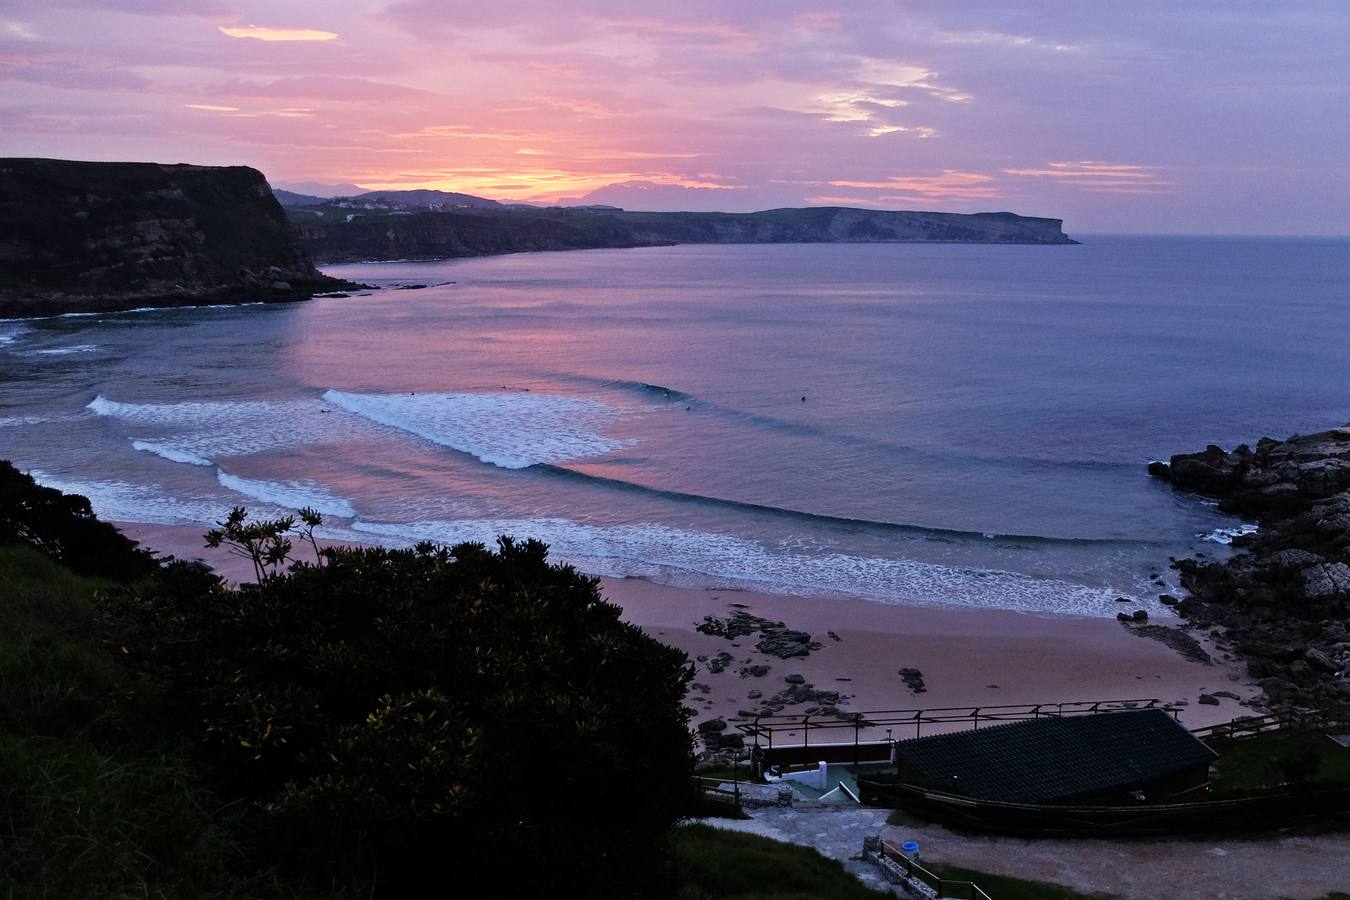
(1109, 120)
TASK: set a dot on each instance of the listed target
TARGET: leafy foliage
(394, 706)
(63, 526)
(265, 543)
(100, 797)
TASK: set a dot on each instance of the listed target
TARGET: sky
(1225, 117)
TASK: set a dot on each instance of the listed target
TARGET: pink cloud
(317, 87)
(943, 105)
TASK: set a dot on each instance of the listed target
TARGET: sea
(916, 424)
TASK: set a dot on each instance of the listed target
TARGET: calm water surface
(912, 423)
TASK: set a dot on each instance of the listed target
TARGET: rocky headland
(336, 232)
(93, 237)
(1283, 601)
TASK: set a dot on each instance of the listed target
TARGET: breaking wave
(170, 453)
(291, 495)
(1226, 535)
(511, 431)
(686, 556)
(212, 430)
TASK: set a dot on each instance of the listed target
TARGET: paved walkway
(836, 833)
(1296, 868)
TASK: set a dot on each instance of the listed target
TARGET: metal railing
(945, 887)
(955, 718)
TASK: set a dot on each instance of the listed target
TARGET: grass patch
(1003, 887)
(715, 864)
(1260, 764)
(97, 799)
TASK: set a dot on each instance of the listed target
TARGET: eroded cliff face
(332, 237)
(88, 236)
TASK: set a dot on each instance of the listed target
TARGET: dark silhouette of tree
(480, 720)
(63, 526)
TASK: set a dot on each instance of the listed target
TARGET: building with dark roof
(1090, 758)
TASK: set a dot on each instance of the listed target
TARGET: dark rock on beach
(776, 639)
(1284, 599)
(913, 680)
(1175, 638)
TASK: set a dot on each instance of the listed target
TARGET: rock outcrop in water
(330, 233)
(1285, 600)
(89, 236)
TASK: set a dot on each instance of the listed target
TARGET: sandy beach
(968, 657)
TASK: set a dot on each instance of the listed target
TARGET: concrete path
(1288, 868)
(836, 833)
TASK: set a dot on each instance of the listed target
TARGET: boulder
(1320, 660)
(1327, 580)
(712, 725)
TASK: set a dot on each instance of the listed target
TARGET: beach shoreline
(967, 657)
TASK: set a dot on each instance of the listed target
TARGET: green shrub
(63, 526)
(393, 709)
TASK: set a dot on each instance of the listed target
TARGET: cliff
(88, 236)
(333, 234)
(1284, 602)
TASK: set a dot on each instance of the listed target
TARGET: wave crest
(294, 495)
(511, 431)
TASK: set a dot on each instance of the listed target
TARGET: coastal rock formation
(1285, 600)
(776, 639)
(89, 236)
(336, 234)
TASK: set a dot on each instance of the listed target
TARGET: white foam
(1226, 535)
(155, 309)
(215, 430)
(64, 351)
(16, 421)
(11, 331)
(686, 556)
(293, 495)
(170, 453)
(513, 430)
(122, 501)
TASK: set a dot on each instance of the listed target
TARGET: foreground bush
(63, 527)
(479, 720)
